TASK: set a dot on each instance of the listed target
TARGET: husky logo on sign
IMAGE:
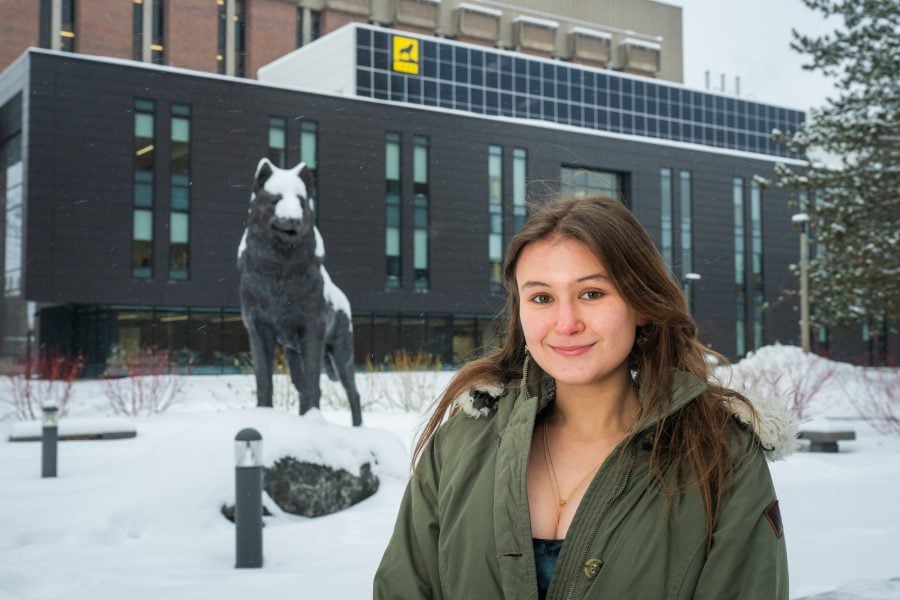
(406, 55)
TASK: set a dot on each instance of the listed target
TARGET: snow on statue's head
(280, 205)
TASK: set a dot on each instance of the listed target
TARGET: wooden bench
(825, 441)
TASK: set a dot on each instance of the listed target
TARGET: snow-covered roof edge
(636, 42)
(536, 21)
(591, 33)
(480, 9)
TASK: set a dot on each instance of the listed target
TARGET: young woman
(592, 456)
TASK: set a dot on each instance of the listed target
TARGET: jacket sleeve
(747, 558)
(409, 568)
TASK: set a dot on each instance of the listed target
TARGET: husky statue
(286, 294)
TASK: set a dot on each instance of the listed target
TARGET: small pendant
(562, 502)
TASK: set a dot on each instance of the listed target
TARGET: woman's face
(576, 325)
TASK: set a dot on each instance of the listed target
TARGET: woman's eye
(540, 298)
(592, 295)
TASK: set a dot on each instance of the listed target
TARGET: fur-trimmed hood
(773, 423)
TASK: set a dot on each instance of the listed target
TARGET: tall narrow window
(46, 24)
(420, 214)
(309, 155)
(308, 25)
(232, 50)
(157, 42)
(137, 29)
(665, 211)
(223, 38)
(519, 183)
(143, 194)
(67, 26)
(756, 262)
(687, 254)
(180, 199)
(277, 141)
(495, 214)
(11, 163)
(392, 200)
(240, 38)
(740, 288)
(315, 25)
(56, 29)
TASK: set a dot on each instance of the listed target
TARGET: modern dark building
(126, 186)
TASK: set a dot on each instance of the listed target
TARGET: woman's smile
(576, 324)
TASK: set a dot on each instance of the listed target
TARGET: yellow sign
(406, 55)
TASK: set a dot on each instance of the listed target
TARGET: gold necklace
(554, 483)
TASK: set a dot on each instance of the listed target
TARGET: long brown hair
(694, 441)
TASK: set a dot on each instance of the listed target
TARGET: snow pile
(139, 518)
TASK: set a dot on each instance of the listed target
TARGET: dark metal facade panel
(80, 194)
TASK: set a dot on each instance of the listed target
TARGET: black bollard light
(49, 437)
(248, 498)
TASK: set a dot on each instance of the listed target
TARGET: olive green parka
(464, 530)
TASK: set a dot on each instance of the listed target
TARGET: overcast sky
(751, 39)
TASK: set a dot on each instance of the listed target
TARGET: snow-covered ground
(139, 518)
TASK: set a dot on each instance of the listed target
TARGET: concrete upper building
(236, 37)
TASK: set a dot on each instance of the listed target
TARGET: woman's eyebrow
(592, 277)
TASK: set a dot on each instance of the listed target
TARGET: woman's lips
(571, 350)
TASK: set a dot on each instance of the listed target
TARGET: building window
(11, 163)
(665, 211)
(143, 194)
(519, 183)
(578, 181)
(67, 26)
(420, 213)
(495, 215)
(46, 23)
(393, 203)
(756, 262)
(157, 41)
(277, 141)
(180, 198)
(148, 25)
(240, 38)
(232, 50)
(223, 38)
(299, 40)
(740, 288)
(687, 251)
(137, 30)
(687, 255)
(57, 25)
(308, 25)
(309, 155)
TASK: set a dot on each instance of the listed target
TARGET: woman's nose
(568, 319)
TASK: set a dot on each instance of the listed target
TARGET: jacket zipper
(608, 505)
(602, 516)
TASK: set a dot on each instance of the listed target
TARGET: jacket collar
(769, 418)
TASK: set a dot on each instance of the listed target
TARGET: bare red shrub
(878, 400)
(49, 381)
(143, 381)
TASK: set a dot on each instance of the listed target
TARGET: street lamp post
(801, 220)
(49, 438)
(248, 499)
